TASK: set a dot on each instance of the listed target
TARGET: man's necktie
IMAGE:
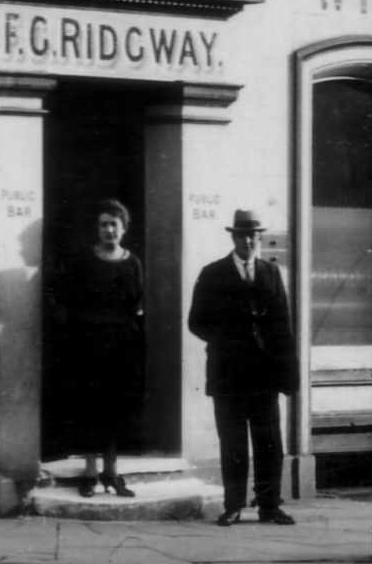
(249, 271)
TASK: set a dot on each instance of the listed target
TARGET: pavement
(328, 529)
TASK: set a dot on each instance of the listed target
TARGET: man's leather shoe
(276, 516)
(228, 518)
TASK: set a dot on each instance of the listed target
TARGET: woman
(104, 303)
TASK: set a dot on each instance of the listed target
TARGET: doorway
(93, 143)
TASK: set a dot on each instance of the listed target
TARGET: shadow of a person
(20, 355)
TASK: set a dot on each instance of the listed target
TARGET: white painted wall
(249, 163)
(20, 254)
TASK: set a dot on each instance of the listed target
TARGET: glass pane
(342, 214)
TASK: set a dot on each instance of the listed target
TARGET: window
(341, 271)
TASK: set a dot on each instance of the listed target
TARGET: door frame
(342, 57)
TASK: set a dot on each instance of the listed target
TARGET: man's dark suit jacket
(247, 329)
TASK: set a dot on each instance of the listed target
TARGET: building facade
(186, 111)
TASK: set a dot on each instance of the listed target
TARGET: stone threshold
(185, 498)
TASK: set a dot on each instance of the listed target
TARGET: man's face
(110, 230)
(247, 244)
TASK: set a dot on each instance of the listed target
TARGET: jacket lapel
(231, 275)
(260, 274)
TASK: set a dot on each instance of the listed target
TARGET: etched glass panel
(341, 277)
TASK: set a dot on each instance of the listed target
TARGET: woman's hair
(115, 208)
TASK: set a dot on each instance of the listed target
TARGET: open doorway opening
(93, 150)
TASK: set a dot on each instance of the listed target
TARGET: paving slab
(326, 531)
(28, 535)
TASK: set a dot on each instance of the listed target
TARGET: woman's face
(110, 230)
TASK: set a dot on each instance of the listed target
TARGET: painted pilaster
(21, 197)
(185, 166)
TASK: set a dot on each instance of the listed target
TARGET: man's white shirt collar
(242, 265)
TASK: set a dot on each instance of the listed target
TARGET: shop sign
(17, 203)
(334, 7)
(361, 6)
(97, 43)
(204, 205)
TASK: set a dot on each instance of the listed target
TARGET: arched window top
(348, 57)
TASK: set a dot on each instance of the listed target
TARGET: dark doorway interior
(93, 149)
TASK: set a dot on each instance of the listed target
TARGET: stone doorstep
(165, 489)
(187, 498)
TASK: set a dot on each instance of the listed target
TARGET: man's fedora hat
(246, 220)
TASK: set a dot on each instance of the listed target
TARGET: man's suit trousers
(261, 409)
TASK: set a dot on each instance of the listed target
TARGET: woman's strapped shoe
(86, 486)
(228, 518)
(275, 516)
(117, 483)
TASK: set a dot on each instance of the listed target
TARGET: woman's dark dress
(106, 344)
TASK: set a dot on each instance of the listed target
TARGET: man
(239, 308)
